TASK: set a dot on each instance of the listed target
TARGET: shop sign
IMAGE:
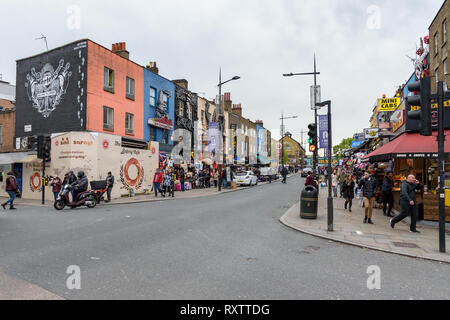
(390, 104)
(356, 144)
(163, 123)
(371, 133)
(397, 120)
(385, 129)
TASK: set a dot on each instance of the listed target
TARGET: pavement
(350, 229)
(188, 194)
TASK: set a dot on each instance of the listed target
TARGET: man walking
(341, 180)
(284, 173)
(408, 202)
(11, 189)
(388, 198)
(110, 185)
(369, 187)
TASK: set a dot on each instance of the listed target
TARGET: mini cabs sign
(390, 104)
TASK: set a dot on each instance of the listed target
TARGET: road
(229, 246)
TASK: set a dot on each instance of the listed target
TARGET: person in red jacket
(157, 180)
(11, 189)
(310, 180)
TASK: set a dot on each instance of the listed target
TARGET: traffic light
(312, 134)
(43, 148)
(422, 99)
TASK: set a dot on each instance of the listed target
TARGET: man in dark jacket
(388, 198)
(408, 202)
(284, 173)
(81, 185)
(369, 187)
(110, 185)
(11, 189)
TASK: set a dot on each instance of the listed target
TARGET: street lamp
(315, 73)
(282, 135)
(330, 151)
(222, 121)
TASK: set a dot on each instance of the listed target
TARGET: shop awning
(408, 145)
(17, 157)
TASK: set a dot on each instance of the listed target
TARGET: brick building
(7, 122)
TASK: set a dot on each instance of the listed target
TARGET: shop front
(411, 153)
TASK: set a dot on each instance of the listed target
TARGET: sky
(360, 47)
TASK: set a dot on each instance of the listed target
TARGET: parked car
(268, 172)
(306, 171)
(245, 178)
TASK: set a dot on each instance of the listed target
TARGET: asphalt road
(230, 246)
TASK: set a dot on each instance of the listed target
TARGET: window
(203, 118)
(108, 118)
(152, 97)
(129, 123)
(165, 138)
(166, 100)
(436, 43)
(109, 80)
(445, 72)
(180, 109)
(444, 31)
(437, 75)
(130, 88)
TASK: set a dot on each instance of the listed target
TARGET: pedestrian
(167, 183)
(341, 179)
(216, 178)
(284, 173)
(349, 192)
(335, 183)
(11, 188)
(388, 197)
(369, 188)
(408, 202)
(56, 185)
(310, 180)
(182, 177)
(157, 180)
(109, 185)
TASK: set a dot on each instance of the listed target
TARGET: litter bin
(309, 203)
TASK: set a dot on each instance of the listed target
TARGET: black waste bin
(309, 203)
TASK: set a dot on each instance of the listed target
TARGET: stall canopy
(17, 157)
(408, 145)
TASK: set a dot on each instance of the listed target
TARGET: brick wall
(7, 122)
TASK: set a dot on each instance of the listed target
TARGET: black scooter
(83, 199)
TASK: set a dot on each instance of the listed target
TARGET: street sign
(315, 97)
(388, 104)
(312, 148)
(371, 133)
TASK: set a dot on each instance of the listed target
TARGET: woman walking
(335, 182)
(348, 188)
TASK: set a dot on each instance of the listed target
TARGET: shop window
(129, 123)
(165, 139)
(108, 118)
(109, 80)
(152, 97)
(152, 133)
(130, 88)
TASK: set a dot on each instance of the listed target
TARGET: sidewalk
(350, 229)
(195, 193)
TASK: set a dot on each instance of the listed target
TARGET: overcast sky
(360, 47)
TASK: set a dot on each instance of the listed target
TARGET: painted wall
(95, 154)
(51, 91)
(160, 84)
(97, 97)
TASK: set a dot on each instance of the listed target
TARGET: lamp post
(315, 73)
(282, 135)
(222, 121)
(330, 151)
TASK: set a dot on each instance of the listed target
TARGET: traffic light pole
(43, 181)
(441, 160)
(315, 116)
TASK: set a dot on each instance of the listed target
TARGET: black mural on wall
(186, 106)
(51, 91)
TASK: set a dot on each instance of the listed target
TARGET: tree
(342, 147)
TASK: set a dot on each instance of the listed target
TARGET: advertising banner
(323, 131)
(390, 104)
(371, 133)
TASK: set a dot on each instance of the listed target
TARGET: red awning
(409, 145)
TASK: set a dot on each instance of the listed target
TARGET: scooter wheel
(91, 203)
(59, 205)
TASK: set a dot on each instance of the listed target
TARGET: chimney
(227, 103)
(121, 50)
(182, 83)
(237, 109)
(260, 122)
(152, 67)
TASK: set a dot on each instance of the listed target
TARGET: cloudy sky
(361, 47)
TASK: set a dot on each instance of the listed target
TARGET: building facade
(159, 108)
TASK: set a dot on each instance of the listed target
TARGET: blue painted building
(159, 108)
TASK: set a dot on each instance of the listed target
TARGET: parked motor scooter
(84, 199)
